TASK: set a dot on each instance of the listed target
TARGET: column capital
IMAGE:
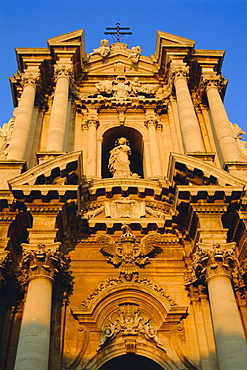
(30, 79)
(90, 123)
(210, 261)
(63, 70)
(42, 260)
(151, 122)
(178, 70)
(209, 81)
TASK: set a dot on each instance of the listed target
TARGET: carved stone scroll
(5, 136)
(127, 320)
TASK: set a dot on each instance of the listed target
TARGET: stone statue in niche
(119, 164)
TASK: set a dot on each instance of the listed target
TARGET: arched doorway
(136, 144)
(130, 361)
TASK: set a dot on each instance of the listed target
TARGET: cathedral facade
(123, 211)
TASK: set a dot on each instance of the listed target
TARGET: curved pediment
(58, 170)
(188, 170)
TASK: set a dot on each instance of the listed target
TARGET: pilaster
(152, 124)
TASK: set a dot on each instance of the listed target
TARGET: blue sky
(213, 24)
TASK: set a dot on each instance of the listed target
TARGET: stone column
(58, 120)
(222, 125)
(154, 153)
(214, 265)
(92, 125)
(40, 264)
(191, 133)
(23, 119)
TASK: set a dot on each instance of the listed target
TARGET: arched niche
(136, 144)
(130, 361)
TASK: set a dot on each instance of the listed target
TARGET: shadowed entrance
(130, 362)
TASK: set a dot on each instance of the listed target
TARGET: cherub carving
(103, 50)
(127, 253)
(135, 54)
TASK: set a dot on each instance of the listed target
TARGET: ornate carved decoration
(93, 213)
(127, 320)
(151, 122)
(127, 253)
(121, 89)
(135, 54)
(5, 136)
(30, 79)
(91, 122)
(108, 283)
(155, 213)
(103, 49)
(125, 207)
(117, 46)
(62, 70)
(178, 70)
(241, 144)
(212, 80)
(44, 260)
(5, 265)
(211, 260)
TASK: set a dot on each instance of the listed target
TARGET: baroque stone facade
(123, 212)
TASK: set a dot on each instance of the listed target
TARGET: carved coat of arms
(127, 253)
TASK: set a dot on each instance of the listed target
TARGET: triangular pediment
(168, 45)
(74, 37)
(118, 62)
(168, 39)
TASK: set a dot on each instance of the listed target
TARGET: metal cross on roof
(118, 33)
